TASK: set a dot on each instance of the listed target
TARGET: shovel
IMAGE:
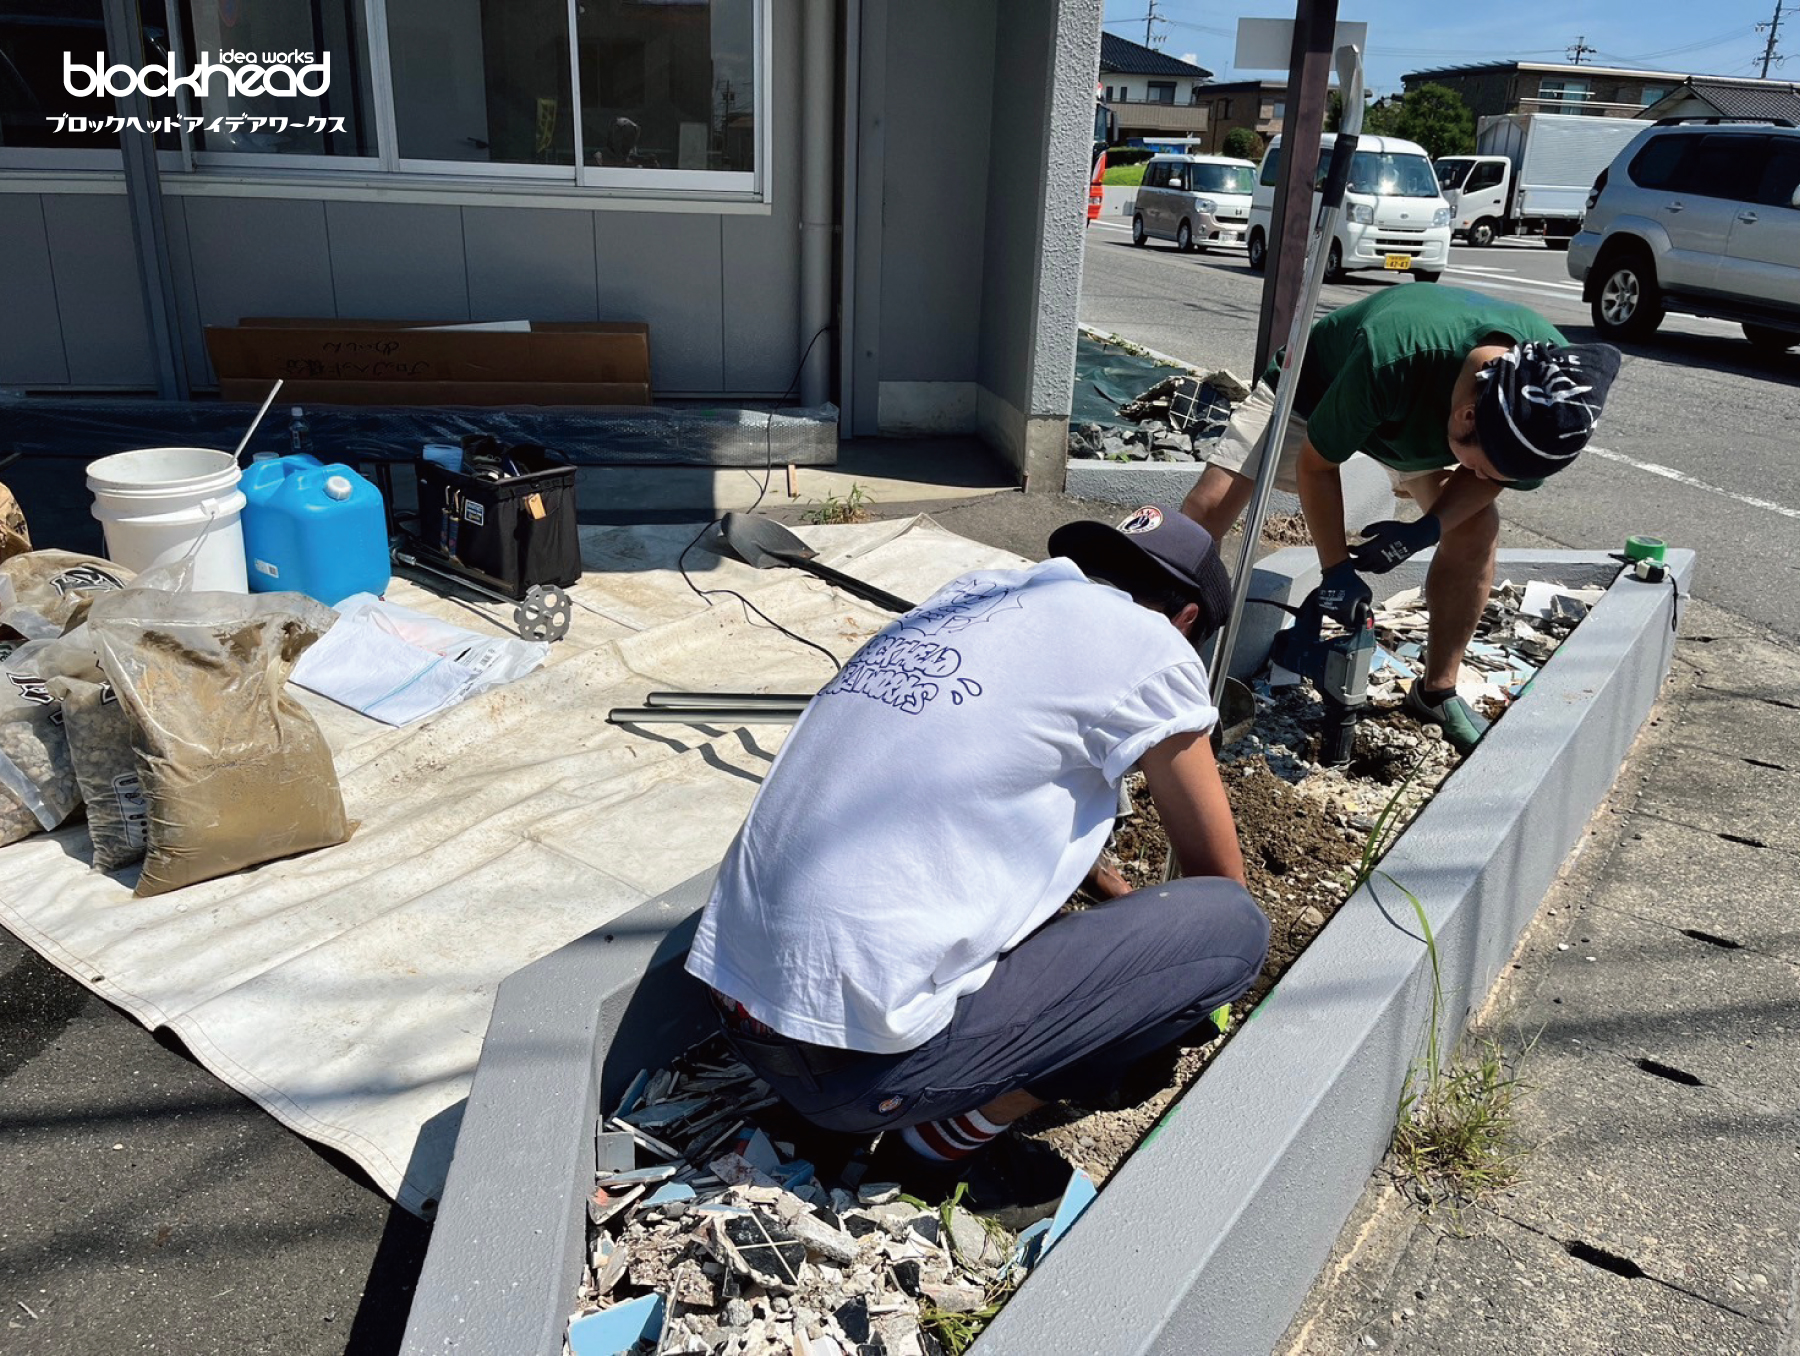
(766, 545)
(1237, 712)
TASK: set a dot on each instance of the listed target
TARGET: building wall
(719, 289)
(1120, 88)
(1036, 221)
(937, 108)
(1257, 105)
(1508, 90)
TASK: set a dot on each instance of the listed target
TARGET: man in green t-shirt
(1459, 396)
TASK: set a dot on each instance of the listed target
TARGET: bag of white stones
(45, 593)
(234, 772)
(38, 788)
(98, 729)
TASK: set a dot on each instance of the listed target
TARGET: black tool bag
(506, 520)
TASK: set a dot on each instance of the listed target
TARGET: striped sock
(952, 1137)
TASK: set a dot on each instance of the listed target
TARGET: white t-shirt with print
(939, 800)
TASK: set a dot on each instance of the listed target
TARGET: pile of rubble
(1172, 421)
(728, 1243)
(1519, 630)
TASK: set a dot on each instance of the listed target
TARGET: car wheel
(1426, 277)
(1334, 263)
(1256, 252)
(1137, 230)
(1766, 336)
(1481, 234)
(1184, 237)
(1628, 303)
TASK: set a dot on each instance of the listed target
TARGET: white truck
(1530, 174)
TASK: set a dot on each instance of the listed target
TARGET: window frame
(387, 168)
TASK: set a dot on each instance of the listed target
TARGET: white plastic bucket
(160, 503)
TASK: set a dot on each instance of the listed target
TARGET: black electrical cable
(768, 471)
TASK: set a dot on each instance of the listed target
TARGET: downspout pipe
(818, 126)
(143, 197)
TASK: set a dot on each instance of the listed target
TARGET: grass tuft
(1456, 1137)
(852, 508)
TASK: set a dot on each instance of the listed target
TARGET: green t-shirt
(1379, 372)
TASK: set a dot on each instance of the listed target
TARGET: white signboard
(1266, 44)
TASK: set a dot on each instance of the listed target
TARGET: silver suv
(1699, 216)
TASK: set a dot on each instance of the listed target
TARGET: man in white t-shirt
(884, 940)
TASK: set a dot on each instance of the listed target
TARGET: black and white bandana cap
(1536, 405)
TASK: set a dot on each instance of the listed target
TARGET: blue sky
(1671, 35)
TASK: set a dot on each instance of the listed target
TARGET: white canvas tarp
(347, 991)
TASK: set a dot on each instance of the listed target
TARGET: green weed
(1456, 1135)
(852, 508)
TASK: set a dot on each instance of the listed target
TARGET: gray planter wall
(1207, 1239)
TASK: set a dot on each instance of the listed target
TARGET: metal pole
(1309, 76)
(1349, 63)
(818, 71)
(143, 196)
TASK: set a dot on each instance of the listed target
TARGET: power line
(1579, 50)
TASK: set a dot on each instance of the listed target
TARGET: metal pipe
(143, 197)
(762, 701)
(718, 715)
(818, 71)
(852, 53)
(1349, 62)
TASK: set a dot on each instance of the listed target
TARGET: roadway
(1697, 444)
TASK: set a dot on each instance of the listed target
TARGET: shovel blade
(1237, 712)
(763, 542)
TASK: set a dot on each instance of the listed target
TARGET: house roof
(1122, 56)
(1543, 67)
(1745, 99)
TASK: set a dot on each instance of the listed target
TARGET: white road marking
(1683, 478)
(1569, 286)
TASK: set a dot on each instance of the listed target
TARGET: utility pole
(1581, 49)
(1773, 27)
(1151, 19)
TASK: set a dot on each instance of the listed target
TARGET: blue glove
(1341, 590)
(1391, 541)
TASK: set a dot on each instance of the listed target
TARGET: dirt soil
(1303, 829)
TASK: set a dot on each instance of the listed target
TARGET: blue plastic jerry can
(315, 529)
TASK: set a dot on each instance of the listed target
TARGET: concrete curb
(1210, 1235)
(568, 1034)
(1208, 1238)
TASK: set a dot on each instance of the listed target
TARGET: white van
(1194, 200)
(1394, 215)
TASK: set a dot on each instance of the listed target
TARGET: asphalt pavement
(1651, 1010)
(1697, 445)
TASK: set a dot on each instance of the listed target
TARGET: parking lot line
(1683, 478)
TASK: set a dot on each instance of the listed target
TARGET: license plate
(1398, 261)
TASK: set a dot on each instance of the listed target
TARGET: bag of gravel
(234, 771)
(45, 593)
(15, 538)
(35, 765)
(98, 729)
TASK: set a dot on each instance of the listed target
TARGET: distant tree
(1242, 143)
(1380, 117)
(1436, 117)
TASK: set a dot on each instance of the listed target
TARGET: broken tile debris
(729, 1245)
